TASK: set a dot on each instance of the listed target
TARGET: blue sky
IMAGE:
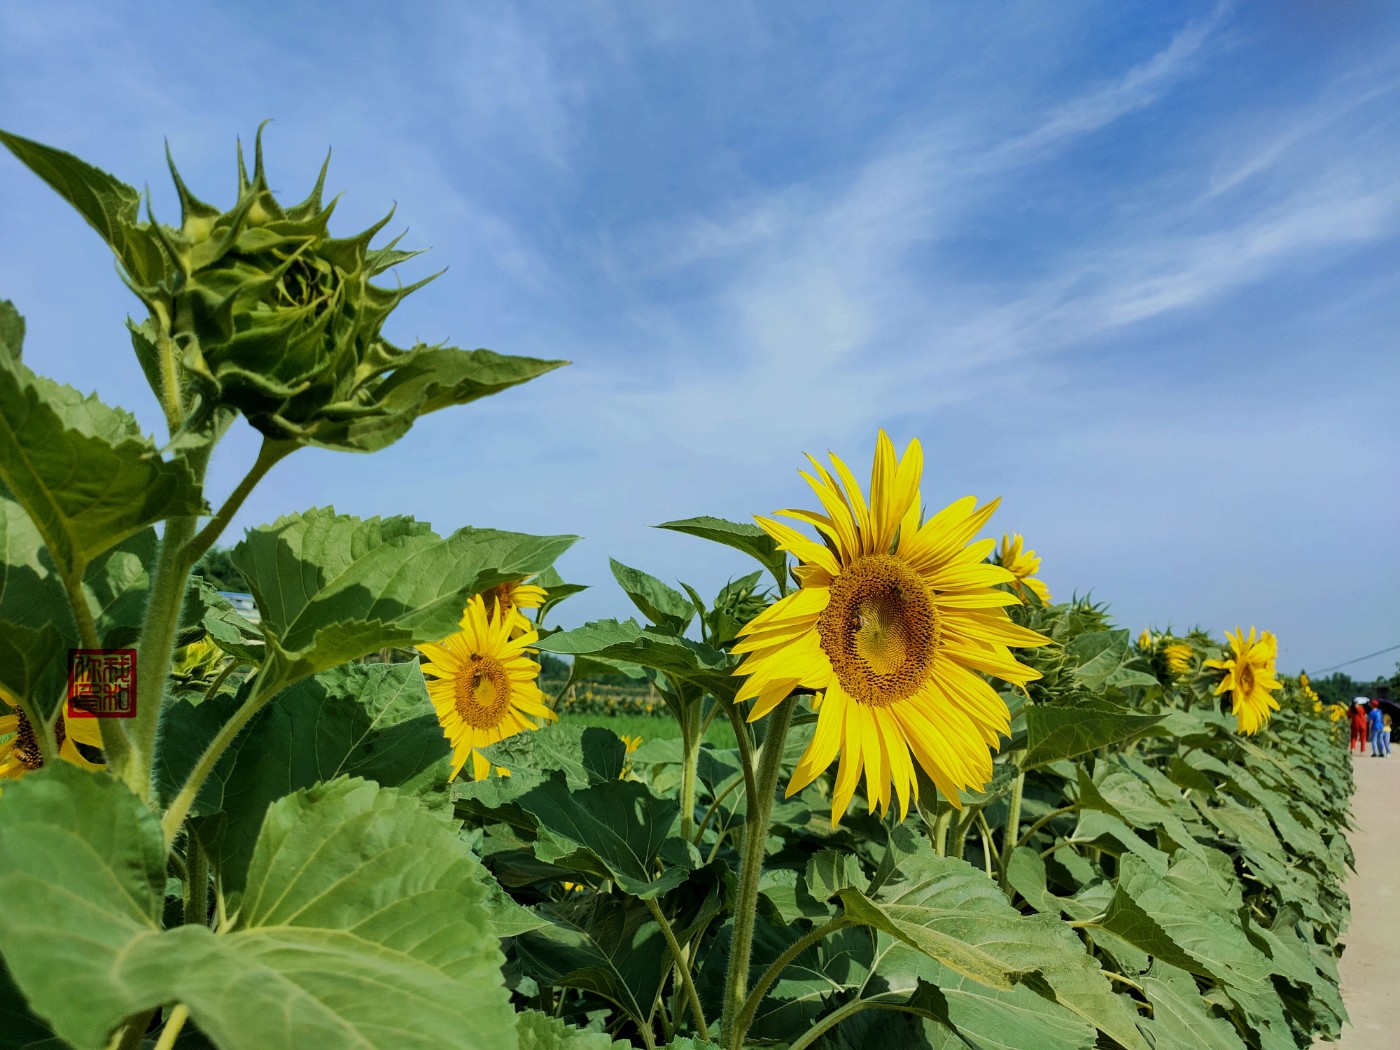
(1133, 267)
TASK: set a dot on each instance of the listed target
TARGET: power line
(1357, 660)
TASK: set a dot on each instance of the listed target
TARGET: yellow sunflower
(1145, 640)
(895, 621)
(513, 597)
(482, 683)
(1249, 677)
(1023, 565)
(1178, 656)
(19, 746)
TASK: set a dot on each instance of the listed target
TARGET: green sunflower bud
(259, 310)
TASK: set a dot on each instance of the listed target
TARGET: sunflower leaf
(951, 913)
(368, 720)
(332, 588)
(604, 945)
(675, 656)
(662, 605)
(84, 472)
(353, 888)
(539, 1031)
(750, 539)
(1054, 733)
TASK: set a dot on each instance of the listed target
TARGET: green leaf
(1146, 911)
(955, 915)
(663, 606)
(11, 330)
(110, 207)
(678, 658)
(231, 631)
(424, 379)
(586, 755)
(83, 472)
(1098, 654)
(750, 539)
(538, 1031)
(373, 721)
(615, 830)
(1055, 733)
(1180, 1017)
(604, 945)
(332, 588)
(353, 889)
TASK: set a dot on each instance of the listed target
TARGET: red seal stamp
(101, 683)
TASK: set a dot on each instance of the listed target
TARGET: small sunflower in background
(1249, 677)
(482, 683)
(1178, 656)
(513, 597)
(1023, 565)
(894, 623)
(19, 744)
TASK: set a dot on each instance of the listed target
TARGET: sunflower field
(956, 813)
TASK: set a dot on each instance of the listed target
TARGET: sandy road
(1371, 963)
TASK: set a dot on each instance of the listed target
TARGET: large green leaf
(662, 605)
(750, 539)
(84, 472)
(615, 830)
(373, 721)
(954, 915)
(679, 658)
(1147, 911)
(110, 206)
(538, 1031)
(586, 755)
(353, 889)
(1180, 1017)
(426, 379)
(331, 587)
(604, 945)
(1055, 733)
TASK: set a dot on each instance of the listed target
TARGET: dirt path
(1373, 942)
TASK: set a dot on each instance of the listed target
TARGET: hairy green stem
(1012, 831)
(1030, 832)
(154, 650)
(724, 793)
(760, 808)
(196, 883)
(690, 761)
(180, 807)
(940, 830)
(133, 1034)
(741, 736)
(172, 399)
(270, 453)
(755, 999)
(682, 966)
(115, 749)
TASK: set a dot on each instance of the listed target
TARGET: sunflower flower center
(482, 692)
(1246, 679)
(879, 630)
(27, 742)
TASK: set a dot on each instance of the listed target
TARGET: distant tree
(553, 667)
(218, 570)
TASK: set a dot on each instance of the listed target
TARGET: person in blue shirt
(1380, 735)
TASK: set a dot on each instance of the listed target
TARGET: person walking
(1358, 726)
(1380, 735)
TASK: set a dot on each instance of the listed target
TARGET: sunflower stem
(780, 964)
(173, 1025)
(1012, 831)
(759, 810)
(682, 966)
(196, 883)
(690, 750)
(940, 830)
(741, 735)
(270, 453)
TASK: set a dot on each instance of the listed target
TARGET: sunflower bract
(895, 622)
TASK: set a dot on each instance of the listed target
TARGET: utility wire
(1357, 660)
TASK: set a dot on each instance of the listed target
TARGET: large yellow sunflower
(1249, 677)
(514, 596)
(19, 747)
(894, 619)
(482, 683)
(1023, 565)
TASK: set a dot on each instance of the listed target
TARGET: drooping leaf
(677, 657)
(750, 539)
(331, 587)
(1180, 1017)
(662, 605)
(352, 889)
(85, 474)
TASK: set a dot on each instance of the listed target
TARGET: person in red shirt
(1358, 727)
